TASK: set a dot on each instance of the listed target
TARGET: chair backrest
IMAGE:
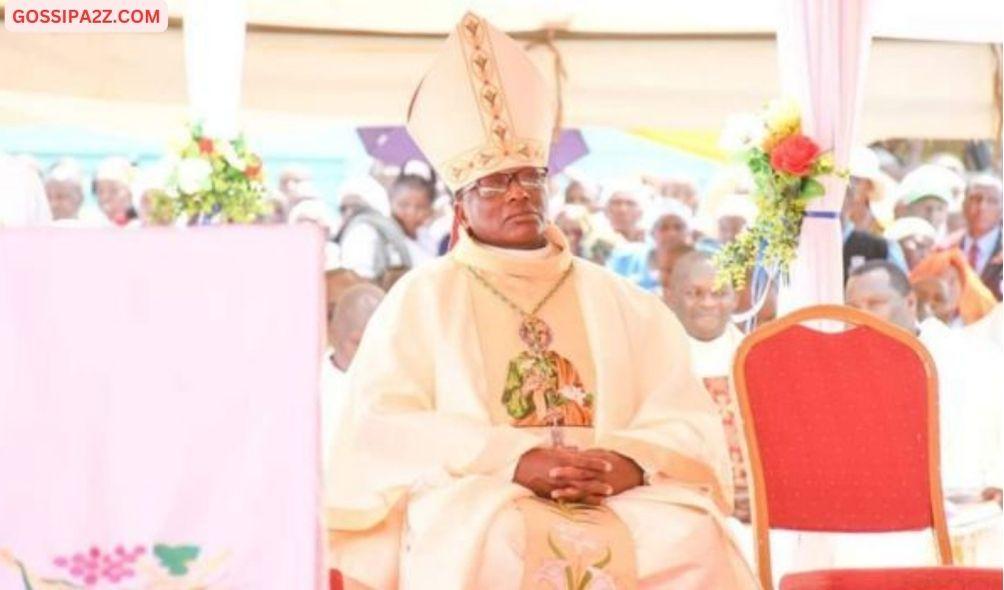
(842, 428)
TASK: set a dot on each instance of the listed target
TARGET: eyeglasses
(532, 180)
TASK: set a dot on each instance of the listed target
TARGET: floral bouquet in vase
(785, 166)
(212, 180)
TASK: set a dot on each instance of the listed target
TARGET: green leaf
(175, 558)
(812, 188)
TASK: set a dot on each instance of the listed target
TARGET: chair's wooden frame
(852, 317)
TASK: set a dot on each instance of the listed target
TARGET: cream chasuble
(420, 492)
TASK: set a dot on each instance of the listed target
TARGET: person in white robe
(22, 195)
(520, 419)
(970, 427)
(706, 314)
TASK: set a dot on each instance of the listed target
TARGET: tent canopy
(960, 20)
(631, 64)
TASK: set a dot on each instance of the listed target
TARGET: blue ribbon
(822, 214)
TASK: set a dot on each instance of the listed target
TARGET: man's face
(114, 198)
(703, 311)
(933, 209)
(939, 296)
(915, 249)
(729, 226)
(669, 232)
(856, 204)
(412, 207)
(576, 194)
(982, 209)
(289, 181)
(872, 292)
(513, 217)
(145, 210)
(623, 212)
(572, 230)
(932, 300)
(65, 198)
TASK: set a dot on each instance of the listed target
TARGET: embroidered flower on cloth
(552, 573)
(160, 566)
(576, 539)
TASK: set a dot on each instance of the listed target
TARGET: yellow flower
(825, 163)
(783, 119)
(783, 113)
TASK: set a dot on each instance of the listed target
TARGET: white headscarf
(369, 190)
(22, 196)
(314, 210)
(638, 192)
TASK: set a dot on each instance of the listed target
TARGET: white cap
(929, 180)
(664, 206)
(864, 163)
(910, 226)
(635, 190)
(736, 205)
(115, 168)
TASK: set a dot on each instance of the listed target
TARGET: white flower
(193, 175)
(230, 155)
(741, 133)
(573, 393)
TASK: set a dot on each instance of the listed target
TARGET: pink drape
(159, 408)
(823, 50)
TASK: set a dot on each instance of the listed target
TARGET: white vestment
(427, 434)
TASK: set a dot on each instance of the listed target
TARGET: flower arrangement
(785, 166)
(212, 180)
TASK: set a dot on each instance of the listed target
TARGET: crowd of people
(922, 249)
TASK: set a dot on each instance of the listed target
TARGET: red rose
(794, 155)
(205, 145)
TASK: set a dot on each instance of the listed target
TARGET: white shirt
(418, 252)
(990, 327)
(359, 244)
(713, 358)
(986, 245)
(969, 387)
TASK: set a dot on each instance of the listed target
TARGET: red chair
(842, 431)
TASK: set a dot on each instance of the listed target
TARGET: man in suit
(981, 241)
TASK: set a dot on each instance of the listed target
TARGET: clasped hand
(569, 475)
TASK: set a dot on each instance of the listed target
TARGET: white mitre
(482, 107)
